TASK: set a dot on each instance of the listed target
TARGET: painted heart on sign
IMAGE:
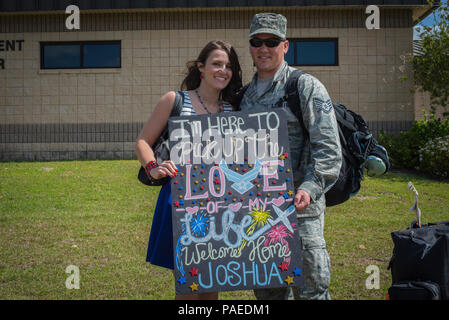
(278, 202)
(192, 210)
(235, 207)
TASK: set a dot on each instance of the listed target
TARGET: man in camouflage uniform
(316, 156)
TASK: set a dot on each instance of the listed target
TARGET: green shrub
(403, 149)
(434, 157)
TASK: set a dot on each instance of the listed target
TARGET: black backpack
(356, 140)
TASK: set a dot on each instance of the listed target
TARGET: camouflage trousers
(316, 266)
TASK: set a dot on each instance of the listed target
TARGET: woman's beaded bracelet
(150, 165)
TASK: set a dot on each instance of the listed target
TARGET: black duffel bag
(422, 254)
(414, 290)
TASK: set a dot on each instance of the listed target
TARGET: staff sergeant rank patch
(325, 106)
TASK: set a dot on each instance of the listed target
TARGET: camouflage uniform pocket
(310, 243)
(316, 268)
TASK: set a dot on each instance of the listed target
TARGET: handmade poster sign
(234, 222)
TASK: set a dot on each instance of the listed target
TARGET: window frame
(294, 41)
(81, 44)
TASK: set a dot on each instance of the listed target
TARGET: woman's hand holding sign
(164, 169)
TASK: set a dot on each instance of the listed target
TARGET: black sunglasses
(270, 42)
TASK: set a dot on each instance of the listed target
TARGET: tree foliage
(431, 68)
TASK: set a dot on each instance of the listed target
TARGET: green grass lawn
(97, 216)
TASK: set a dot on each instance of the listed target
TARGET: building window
(80, 55)
(312, 52)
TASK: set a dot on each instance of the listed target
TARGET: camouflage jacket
(316, 156)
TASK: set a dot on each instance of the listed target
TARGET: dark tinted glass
(101, 55)
(61, 56)
(270, 43)
(315, 53)
(79, 55)
(290, 55)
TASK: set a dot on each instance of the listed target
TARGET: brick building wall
(98, 113)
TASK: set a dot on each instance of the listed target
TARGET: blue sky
(428, 21)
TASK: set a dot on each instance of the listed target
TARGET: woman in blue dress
(210, 86)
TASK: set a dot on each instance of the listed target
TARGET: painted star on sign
(194, 286)
(289, 280)
(182, 280)
(297, 272)
(194, 271)
(283, 266)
